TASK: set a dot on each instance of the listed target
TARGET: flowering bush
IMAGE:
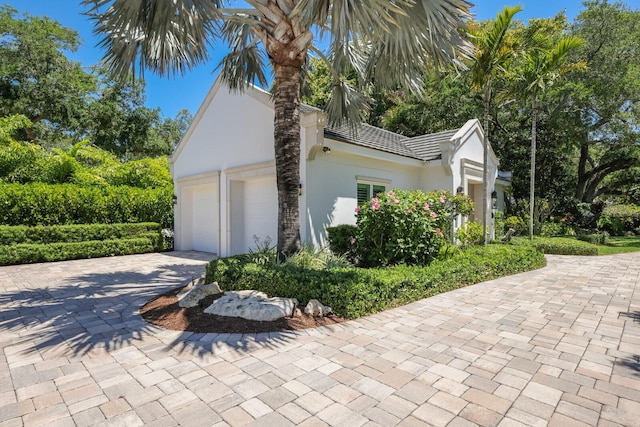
(405, 226)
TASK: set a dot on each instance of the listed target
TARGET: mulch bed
(165, 312)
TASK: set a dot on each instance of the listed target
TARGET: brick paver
(556, 346)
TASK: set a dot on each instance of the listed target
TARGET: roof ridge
(408, 138)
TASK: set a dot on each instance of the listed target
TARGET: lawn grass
(619, 245)
(567, 245)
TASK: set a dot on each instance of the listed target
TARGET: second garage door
(260, 211)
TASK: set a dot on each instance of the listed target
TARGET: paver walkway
(557, 346)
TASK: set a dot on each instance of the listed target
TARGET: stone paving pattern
(559, 346)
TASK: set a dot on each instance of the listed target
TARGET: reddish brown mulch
(164, 311)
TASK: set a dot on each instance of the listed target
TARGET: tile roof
(371, 137)
(428, 146)
(424, 147)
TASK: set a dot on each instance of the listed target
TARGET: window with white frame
(368, 188)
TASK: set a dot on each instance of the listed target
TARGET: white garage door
(204, 218)
(260, 211)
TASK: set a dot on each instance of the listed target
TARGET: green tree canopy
(66, 102)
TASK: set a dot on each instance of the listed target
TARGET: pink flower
(353, 240)
(357, 209)
(374, 200)
(391, 194)
(426, 206)
(409, 211)
(442, 198)
(438, 230)
(375, 206)
(396, 201)
(433, 214)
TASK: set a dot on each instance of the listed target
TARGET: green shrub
(617, 219)
(143, 173)
(43, 204)
(29, 253)
(559, 245)
(342, 239)
(354, 292)
(470, 233)
(19, 162)
(518, 224)
(42, 234)
(594, 238)
(552, 229)
(405, 227)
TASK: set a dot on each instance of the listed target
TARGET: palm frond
(245, 62)
(492, 49)
(167, 37)
(347, 104)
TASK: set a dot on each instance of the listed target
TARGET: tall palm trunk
(287, 150)
(485, 167)
(532, 184)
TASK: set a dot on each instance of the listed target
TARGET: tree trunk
(287, 150)
(532, 183)
(582, 170)
(485, 166)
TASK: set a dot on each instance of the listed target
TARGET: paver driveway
(557, 346)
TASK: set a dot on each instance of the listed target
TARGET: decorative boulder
(252, 305)
(192, 294)
(316, 309)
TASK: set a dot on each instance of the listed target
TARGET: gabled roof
(423, 147)
(371, 137)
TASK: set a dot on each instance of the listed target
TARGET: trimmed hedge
(41, 234)
(52, 204)
(353, 292)
(594, 238)
(559, 245)
(29, 253)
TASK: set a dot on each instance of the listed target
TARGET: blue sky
(173, 94)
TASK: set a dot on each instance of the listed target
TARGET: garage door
(204, 218)
(260, 211)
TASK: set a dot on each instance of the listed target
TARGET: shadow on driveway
(77, 312)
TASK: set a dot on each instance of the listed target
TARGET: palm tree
(493, 50)
(542, 64)
(389, 42)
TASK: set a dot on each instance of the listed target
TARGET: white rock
(252, 305)
(192, 294)
(315, 308)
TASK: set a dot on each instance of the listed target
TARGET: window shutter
(378, 189)
(363, 193)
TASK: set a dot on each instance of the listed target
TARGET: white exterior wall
(231, 137)
(331, 184)
(232, 131)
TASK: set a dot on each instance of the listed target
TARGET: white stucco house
(224, 171)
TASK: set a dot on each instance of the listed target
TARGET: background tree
(541, 64)
(608, 97)
(383, 41)
(493, 50)
(448, 102)
(36, 78)
(66, 102)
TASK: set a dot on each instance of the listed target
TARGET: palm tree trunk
(485, 166)
(287, 151)
(532, 184)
